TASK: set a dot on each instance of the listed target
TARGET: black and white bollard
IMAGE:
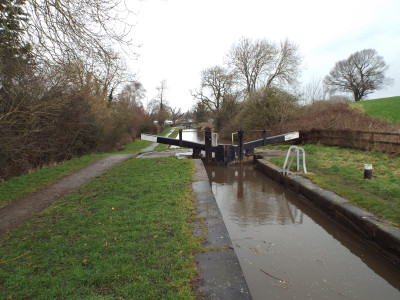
(367, 171)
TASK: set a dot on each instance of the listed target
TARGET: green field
(386, 109)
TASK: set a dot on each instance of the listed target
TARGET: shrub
(265, 108)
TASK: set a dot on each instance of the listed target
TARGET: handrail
(232, 137)
(297, 149)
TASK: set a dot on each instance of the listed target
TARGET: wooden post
(367, 171)
(196, 153)
(220, 153)
(372, 142)
(240, 144)
(180, 137)
(207, 141)
(229, 153)
(264, 137)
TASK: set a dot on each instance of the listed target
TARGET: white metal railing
(297, 149)
(233, 134)
(214, 139)
(148, 137)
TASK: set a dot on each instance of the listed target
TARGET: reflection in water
(276, 210)
(193, 135)
(288, 250)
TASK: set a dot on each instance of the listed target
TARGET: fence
(365, 140)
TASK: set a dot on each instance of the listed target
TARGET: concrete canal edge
(220, 273)
(378, 233)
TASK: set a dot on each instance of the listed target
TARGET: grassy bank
(124, 235)
(341, 171)
(173, 135)
(386, 109)
(19, 186)
(133, 147)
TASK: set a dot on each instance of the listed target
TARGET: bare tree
(361, 74)
(158, 107)
(218, 95)
(313, 91)
(250, 60)
(81, 33)
(73, 27)
(56, 69)
(216, 85)
(162, 90)
(129, 115)
(285, 65)
(262, 63)
(175, 114)
(132, 94)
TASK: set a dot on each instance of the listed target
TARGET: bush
(265, 108)
(332, 115)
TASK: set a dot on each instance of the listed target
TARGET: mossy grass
(22, 185)
(386, 109)
(124, 235)
(341, 170)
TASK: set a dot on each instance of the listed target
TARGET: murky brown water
(288, 250)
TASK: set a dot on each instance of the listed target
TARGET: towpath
(22, 209)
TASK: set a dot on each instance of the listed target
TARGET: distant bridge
(222, 153)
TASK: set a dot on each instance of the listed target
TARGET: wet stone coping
(381, 235)
(220, 273)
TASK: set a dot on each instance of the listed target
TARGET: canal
(289, 250)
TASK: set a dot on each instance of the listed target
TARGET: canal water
(193, 135)
(289, 250)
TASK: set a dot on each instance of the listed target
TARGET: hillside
(386, 109)
(378, 115)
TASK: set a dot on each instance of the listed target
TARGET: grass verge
(173, 135)
(17, 187)
(124, 235)
(133, 147)
(341, 170)
(386, 109)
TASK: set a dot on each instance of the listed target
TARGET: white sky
(180, 38)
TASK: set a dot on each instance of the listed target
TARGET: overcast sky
(180, 38)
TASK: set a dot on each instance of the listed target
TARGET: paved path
(149, 148)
